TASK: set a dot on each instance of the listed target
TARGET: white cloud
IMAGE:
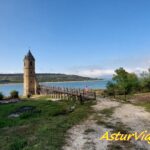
(95, 72)
(92, 72)
(137, 70)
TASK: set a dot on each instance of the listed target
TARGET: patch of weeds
(100, 120)
(87, 131)
(120, 145)
(117, 127)
(103, 122)
(145, 105)
(114, 146)
(109, 125)
(18, 144)
(106, 124)
(120, 127)
(89, 145)
(107, 111)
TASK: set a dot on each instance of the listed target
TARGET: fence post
(95, 95)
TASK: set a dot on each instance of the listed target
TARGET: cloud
(137, 70)
(91, 72)
(98, 72)
(106, 68)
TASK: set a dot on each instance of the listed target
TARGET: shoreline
(12, 83)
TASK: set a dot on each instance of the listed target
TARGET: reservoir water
(96, 84)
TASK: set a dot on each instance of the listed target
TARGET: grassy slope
(145, 105)
(142, 99)
(36, 131)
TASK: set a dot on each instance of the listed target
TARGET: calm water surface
(99, 84)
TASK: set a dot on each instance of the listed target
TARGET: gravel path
(85, 136)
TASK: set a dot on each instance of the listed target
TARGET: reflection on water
(98, 84)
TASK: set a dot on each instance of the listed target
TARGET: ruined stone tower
(30, 83)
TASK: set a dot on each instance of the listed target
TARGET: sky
(84, 37)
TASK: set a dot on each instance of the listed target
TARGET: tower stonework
(30, 83)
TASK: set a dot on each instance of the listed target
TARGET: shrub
(14, 94)
(1, 96)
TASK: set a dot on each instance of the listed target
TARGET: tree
(145, 81)
(123, 82)
(111, 88)
(14, 94)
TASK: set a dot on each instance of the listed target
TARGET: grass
(36, 131)
(101, 121)
(102, 115)
(107, 111)
(145, 105)
(142, 99)
(121, 145)
(120, 127)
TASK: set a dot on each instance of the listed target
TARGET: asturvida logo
(142, 136)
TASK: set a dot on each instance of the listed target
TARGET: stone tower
(30, 83)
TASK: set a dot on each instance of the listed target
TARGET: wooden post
(95, 95)
(81, 99)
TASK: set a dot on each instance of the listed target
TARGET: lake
(96, 84)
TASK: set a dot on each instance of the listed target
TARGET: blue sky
(84, 37)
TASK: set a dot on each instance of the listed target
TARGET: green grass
(145, 105)
(107, 111)
(143, 100)
(43, 130)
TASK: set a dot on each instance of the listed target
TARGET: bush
(14, 94)
(1, 96)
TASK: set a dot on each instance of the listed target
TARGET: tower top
(29, 56)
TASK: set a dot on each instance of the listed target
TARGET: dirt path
(86, 136)
(109, 116)
(135, 118)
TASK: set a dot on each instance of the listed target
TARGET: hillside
(42, 77)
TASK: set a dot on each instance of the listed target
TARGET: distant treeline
(42, 77)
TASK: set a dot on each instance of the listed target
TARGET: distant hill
(42, 77)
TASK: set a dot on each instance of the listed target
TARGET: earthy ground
(109, 116)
